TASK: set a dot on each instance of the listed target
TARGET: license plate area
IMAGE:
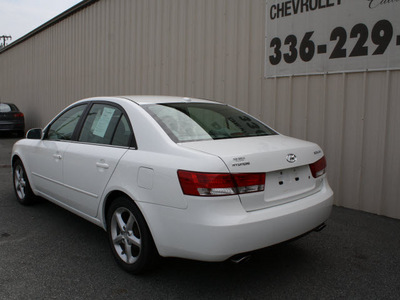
(283, 186)
(286, 183)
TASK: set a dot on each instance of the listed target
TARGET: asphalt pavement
(49, 253)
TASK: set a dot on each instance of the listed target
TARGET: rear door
(89, 163)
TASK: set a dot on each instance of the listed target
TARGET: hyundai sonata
(174, 177)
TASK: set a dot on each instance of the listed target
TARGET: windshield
(187, 122)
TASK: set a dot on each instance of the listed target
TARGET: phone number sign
(329, 36)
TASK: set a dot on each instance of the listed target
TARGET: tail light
(19, 115)
(318, 168)
(220, 184)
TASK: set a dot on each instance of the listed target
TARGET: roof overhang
(66, 14)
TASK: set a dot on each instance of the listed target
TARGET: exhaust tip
(320, 227)
(239, 259)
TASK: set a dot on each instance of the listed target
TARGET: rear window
(4, 107)
(187, 122)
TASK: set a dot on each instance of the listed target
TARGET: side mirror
(34, 134)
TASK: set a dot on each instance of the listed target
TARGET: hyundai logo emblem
(291, 158)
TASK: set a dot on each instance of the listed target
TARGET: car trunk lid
(285, 161)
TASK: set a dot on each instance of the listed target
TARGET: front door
(46, 160)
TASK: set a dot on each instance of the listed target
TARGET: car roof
(147, 99)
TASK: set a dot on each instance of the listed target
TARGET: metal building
(216, 49)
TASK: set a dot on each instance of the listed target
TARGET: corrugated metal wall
(214, 49)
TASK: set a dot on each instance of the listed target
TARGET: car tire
(130, 239)
(22, 187)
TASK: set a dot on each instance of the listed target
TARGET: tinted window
(203, 121)
(105, 124)
(122, 134)
(64, 126)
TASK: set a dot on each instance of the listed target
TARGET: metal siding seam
(231, 54)
(157, 62)
(189, 83)
(187, 48)
(120, 42)
(181, 51)
(360, 175)
(169, 39)
(379, 204)
(305, 134)
(139, 46)
(131, 35)
(323, 110)
(196, 72)
(220, 52)
(170, 73)
(128, 51)
(275, 96)
(197, 78)
(115, 59)
(289, 119)
(209, 58)
(243, 66)
(255, 61)
(340, 198)
(146, 22)
(204, 60)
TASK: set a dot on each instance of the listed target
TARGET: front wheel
(130, 239)
(22, 187)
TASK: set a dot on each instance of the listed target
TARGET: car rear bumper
(11, 126)
(212, 229)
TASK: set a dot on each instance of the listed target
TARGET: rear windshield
(187, 122)
(5, 107)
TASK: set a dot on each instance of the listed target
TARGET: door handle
(57, 156)
(102, 165)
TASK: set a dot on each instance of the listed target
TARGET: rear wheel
(22, 187)
(129, 236)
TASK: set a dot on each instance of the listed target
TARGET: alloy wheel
(125, 235)
(19, 182)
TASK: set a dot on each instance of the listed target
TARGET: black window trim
(46, 130)
(79, 126)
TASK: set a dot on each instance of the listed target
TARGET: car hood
(259, 154)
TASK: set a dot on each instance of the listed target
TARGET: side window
(104, 125)
(122, 134)
(64, 126)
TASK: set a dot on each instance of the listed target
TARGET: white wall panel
(214, 49)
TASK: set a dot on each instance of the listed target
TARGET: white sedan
(174, 177)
